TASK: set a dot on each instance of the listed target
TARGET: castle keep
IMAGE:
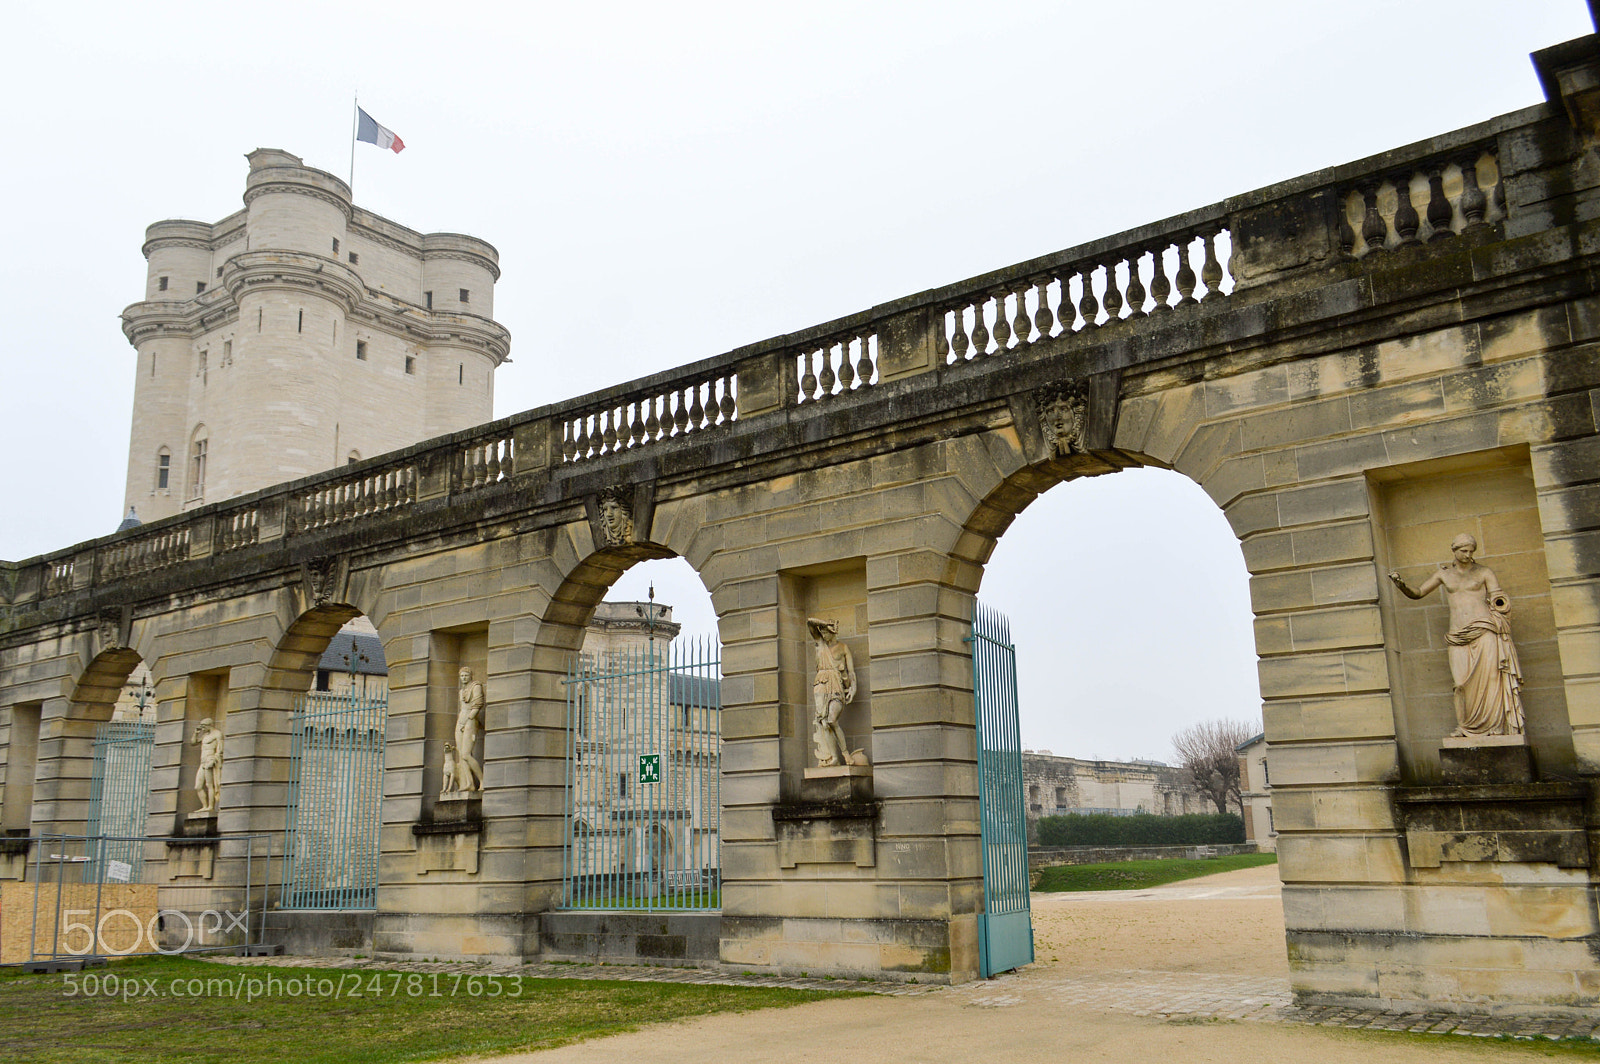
(299, 334)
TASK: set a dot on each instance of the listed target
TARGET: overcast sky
(668, 181)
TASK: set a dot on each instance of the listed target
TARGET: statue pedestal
(837, 783)
(462, 810)
(1480, 759)
(449, 841)
(200, 825)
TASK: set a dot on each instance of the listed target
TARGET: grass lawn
(151, 1010)
(1133, 875)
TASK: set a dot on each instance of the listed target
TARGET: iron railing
(119, 798)
(643, 792)
(1005, 938)
(87, 904)
(335, 798)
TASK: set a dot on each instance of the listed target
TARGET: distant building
(1256, 786)
(1060, 785)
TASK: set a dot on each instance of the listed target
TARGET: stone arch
(98, 686)
(587, 575)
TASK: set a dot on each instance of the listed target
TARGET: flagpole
(355, 113)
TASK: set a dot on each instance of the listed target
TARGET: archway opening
(330, 679)
(641, 703)
(1130, 609)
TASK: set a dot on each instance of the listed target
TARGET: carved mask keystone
(110, 629)
(321, 581)
(616, 519)
(1064, 417)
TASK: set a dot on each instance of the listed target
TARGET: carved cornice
(297, 189)
(481, 261)
(313, 274)
(174, 242)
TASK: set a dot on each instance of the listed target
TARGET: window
(461, 373)
(163, 469)
(361, 350)
(465, 296)
(161, 286)
(197, 469)
(1266, 780)
(200, 367)
(427, 297)
(199, 286)
(300, 323)
(411, 364)
(336, 245)
(355, 260)
(622, 784)
(323, 679)
(227, 354)
(219, 271)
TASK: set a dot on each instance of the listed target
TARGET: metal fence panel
(335, 799)
(119, 796)
(644, 777)
(80, 903)
(1005, 929)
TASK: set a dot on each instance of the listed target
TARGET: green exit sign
(649, 768)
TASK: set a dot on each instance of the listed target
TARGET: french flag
(368, 129)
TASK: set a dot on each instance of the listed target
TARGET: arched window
(353, 458)
(163, 470)
(199, 446)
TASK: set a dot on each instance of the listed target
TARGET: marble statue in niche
(832, 690)
(1483, 660)
(463, 773)
(208, 776)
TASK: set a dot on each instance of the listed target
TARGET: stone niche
(1474, 809)
(1416, 511)
(449, 826)
(825, 815)
(205, 697)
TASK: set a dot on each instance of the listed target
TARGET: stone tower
(299, 334)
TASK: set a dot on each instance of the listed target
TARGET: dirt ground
(1103, 958)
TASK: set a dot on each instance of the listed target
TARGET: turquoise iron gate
(335, 793)
(644, 772)
(119, 799)
(1005, 927)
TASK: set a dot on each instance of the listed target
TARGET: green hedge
(1141, 829)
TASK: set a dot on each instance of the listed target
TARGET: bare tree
(1208, 752)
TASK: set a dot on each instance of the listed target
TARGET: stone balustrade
(482, 462)
(352, 496)
(1133, 281)
(699, 402)
(1343, 218)
(1424, 201)
(837, 365)
(144, 553)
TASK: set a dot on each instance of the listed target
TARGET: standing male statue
(469, 722)
(1483, 660)
(833, 689)
(208, 777)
